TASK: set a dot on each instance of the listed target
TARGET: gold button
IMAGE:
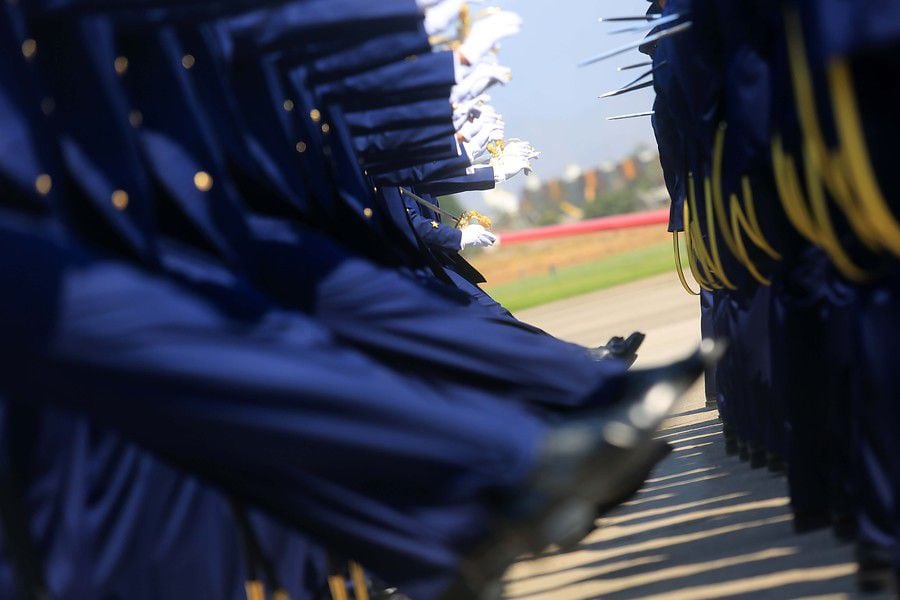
(435, 225)
(203, 181)
(136, 118)
(375, 189)
(187, 61)
(29, 47)
(43, 184)
(121, 65)
(326, 128)
(315, 114)
(119, 199)
(301, 147)
(48, 104)
(367, 213)
(288, 105)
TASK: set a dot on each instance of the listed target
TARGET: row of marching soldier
(777, 129)
(240, 350)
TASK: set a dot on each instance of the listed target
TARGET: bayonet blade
(637, 44)
(631, 116)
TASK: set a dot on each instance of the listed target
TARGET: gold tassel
(255, 590)
(856, 160)
(360, 587)
(338, 586)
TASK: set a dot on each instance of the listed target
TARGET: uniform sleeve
(433, 233)
(482, 179)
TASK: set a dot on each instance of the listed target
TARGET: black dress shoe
(731, 441)
(743, 450)
(627, 346)
(621, 349)
(844, 526)
(757, 456)
(807, 522)
(775, 463)
(876, 571)
(588, 461)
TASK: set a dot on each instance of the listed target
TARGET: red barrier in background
(654, 217)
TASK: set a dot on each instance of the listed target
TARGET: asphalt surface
(705, 525)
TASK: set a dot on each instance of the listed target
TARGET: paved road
(705, 525)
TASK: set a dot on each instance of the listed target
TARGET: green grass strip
(581, 279)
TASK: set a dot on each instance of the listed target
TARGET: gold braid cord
(474, 217)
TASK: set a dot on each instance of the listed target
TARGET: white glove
(507, 167)
(476, 148)
(517, 147)
(478, 80)
(487, 32)
(464, 110)
(471, 128)
(478, 236)
(439, 16)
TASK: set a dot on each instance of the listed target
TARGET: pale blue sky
(552, 103)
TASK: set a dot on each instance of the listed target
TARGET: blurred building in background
(633, 184)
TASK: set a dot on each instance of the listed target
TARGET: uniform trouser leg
(107, 519)
(273, 411)
(484, 300)
(806, 392)
(435, 333)
(707, 331)
(879, 421)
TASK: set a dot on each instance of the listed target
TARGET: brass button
(435, 225)
(121, 65)
(29, 48)
(326, 128)
(119, 199)
(43, 184)
(367, 213)
(301, 147)
(315, 115)
(136, 118)
(288, 105)
(203, 181)
(187, 61)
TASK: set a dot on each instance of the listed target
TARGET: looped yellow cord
(783, 168)
(718, 201)
(679, 268)
(819, 154)
(755, 231)
(711, 232)
(255, 590)
(702, 255)
(855, 156)
(827, 237)
(338, 587)
(689, 246)
(358, 576)
(738, 220)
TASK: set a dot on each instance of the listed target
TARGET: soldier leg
(433, 333)
(386, 470)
